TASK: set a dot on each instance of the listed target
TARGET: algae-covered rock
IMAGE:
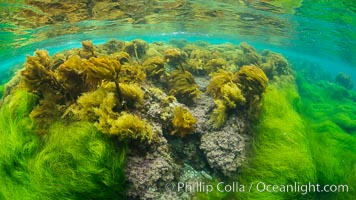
(105, 86)
(219, 115)
(215, 64)
(122, 57)
(149, 171)
(183, 121)
(131, 73)
(127, 126)
(102, 68)
(222, 86)
(88, 50)
(72, 77)
(248, 55)
(173, 57)
(275, 65)
(253, 82)
(136, 48)
(182, 85)
(154, 67)
(111, 46)
(344, 80)
(38, 77)
(225, 149)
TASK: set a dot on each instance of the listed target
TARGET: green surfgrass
(280, 149)
(304, 135)
(73, 161)
(330, 112)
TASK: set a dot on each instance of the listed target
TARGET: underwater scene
(185, 99)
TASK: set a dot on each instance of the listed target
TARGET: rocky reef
(180, 111)
(344, 80)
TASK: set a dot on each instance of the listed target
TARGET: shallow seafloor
(138, 120)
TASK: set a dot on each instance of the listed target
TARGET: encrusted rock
(148, 175)
(225, 149)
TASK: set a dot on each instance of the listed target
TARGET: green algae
(72, 161)
(331, 131)
(18, 144)
(280, 151)
(300, 139)
(2, 88)
(78, 163)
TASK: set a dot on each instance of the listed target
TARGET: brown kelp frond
(56, 60)
(45, 114)
(122, 57)
(243, 89)
(88, 50)
(71, 76)
(136, 48)
(217, 81)
(173, 57)
(252, 81)
(196, 66)
(127, 126)
(275, 65)
(131, 73)
(219, 115)
(132, 93)
(102, 68)
(102, 98)
(37, 76)
(112, 46)
(248, 55)
(232, 96)
(183, 121)
(246, 48)
(43, 57)
(182, 85)
(154, 67)
(197, 52)
(215, 64)
(227, 95)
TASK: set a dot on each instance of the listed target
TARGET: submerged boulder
(344, 80)
(225, 149)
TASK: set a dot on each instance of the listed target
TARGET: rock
(225, 149)
(148, 174)
(344, 80)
